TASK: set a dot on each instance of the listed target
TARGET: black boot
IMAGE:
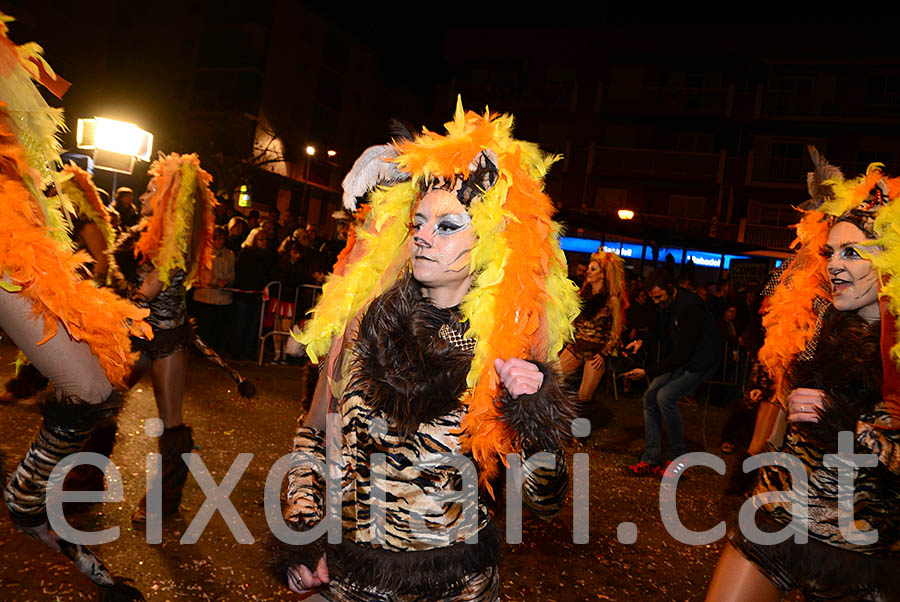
(86, 477)
(174, 442)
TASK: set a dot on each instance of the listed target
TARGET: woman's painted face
(442, 240)
(595, 273)
(146, 205)
(854, 282)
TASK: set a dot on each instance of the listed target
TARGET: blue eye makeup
(446, 225)
(846, 252)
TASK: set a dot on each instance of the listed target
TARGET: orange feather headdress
(179, 233)
(520, 304)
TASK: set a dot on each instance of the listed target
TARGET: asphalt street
(548, 566)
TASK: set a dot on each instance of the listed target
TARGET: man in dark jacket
(691, 348)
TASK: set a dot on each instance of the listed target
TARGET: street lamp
(116, 144)
(625, 214)
(310, 152)
(332, 153)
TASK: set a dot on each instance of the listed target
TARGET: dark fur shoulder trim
(401, 366)
(847, 366)
(422, 572)
(542, 420)
(71, 412)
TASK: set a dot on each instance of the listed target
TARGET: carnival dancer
(438, 332)
(598, 328)
(153, 265)
(92, 231)
(835, 368)
(71, 331)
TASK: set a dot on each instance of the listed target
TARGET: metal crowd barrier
(267, 291)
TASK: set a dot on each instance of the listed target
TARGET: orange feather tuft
(48, 275)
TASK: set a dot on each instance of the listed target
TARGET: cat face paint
(441, 243)
(854, 282)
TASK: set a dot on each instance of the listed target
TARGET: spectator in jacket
(691, 350)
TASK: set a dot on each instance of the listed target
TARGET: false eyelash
(448, 227)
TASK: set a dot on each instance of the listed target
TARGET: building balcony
(658, 164)
(844, 105)
(782, 171)
(666, 100)
(768, 237)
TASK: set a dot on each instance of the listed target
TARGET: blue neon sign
(631, 250)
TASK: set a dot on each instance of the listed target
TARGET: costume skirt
(479, 587)
(820, 571)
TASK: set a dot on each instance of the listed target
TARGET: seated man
(691, 350)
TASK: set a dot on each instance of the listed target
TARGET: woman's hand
(634, 346)
(597, 362)
(520, 377)
(301, 580)
(804, 405)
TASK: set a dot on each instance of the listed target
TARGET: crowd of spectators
(277, 247)
(251, 250)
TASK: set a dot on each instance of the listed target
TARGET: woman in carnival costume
(154, 264)
(598, 329)
(832, 350)
(92, 228)
(437, 333)
(91, 231)
(71, 331)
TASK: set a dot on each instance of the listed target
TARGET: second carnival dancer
(598, 328)
(832, 349)
(437, 333)
(74, 333)
(153, 265)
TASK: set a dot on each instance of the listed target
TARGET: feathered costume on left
(37, 265)
(35, 256)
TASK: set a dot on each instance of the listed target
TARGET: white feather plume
(372, 168)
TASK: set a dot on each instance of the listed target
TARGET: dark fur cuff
(423, 573)
(73, 413)
(542, 420)
(284, 556)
